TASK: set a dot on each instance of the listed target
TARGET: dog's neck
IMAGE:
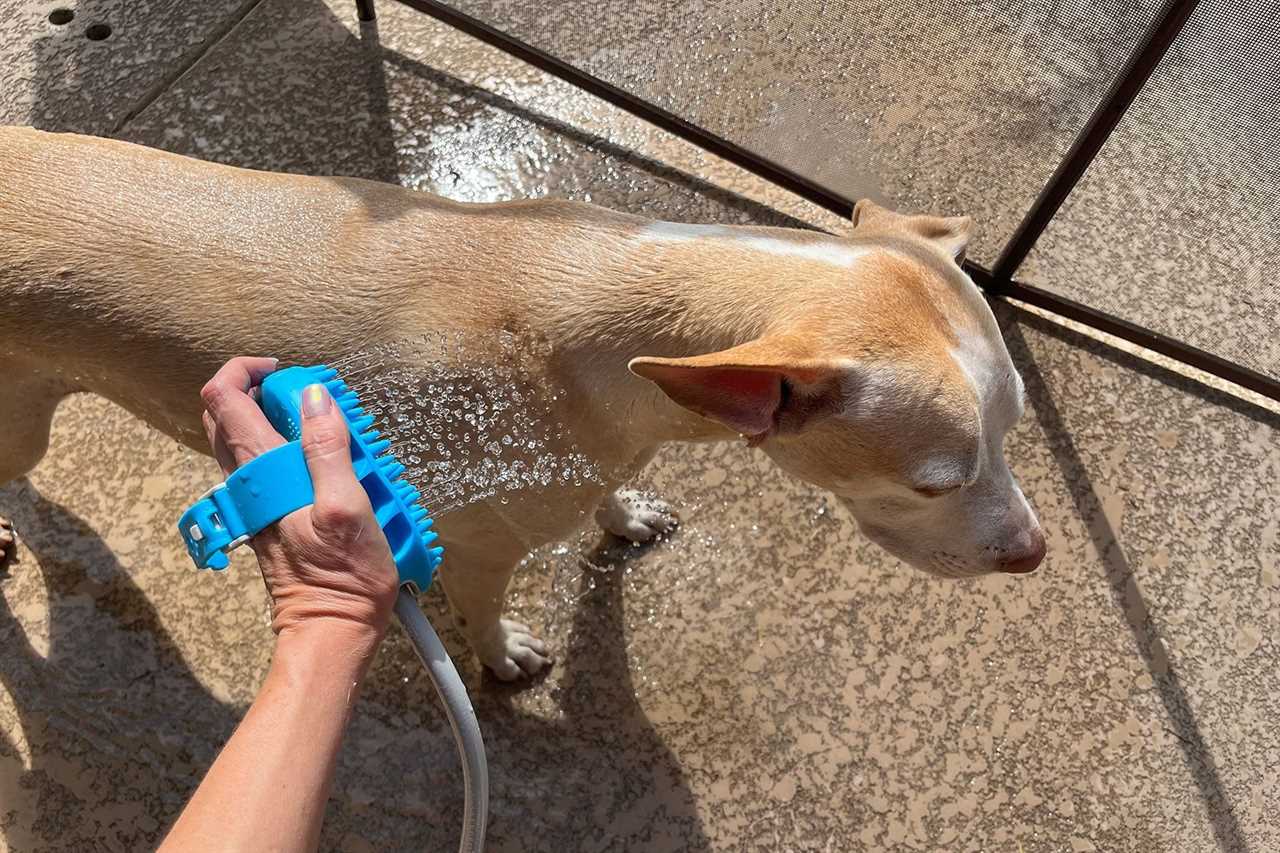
(690, 290)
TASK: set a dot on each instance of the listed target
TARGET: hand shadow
(107, 715)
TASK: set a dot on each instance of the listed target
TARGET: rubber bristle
(363, 425)
(326, 374)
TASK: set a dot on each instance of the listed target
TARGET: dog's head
(891, 388)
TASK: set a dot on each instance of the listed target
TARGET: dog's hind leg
(26, 415)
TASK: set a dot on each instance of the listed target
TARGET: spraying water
(471, 419)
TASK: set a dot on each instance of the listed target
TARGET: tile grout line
(192, 59)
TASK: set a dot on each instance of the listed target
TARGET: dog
(867, 364)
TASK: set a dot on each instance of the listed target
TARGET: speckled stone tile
(764, 680)
(88, 72)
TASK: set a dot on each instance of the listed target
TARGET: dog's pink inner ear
(743, 399)
(743, 387)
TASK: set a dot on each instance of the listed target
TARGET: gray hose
(462, 718)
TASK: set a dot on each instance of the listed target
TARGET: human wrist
(327, 648)
(353, 608)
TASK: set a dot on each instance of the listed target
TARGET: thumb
(326, 444)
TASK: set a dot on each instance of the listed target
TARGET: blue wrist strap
(255, 496)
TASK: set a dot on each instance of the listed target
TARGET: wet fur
(135, 273)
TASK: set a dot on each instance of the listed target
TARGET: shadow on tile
(111, 702)
(628, 789)
(1122, 580)
(115, 720)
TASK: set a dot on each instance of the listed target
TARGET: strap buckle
(212, 528)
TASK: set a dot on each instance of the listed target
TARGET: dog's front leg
(475, 579)
(635, 515)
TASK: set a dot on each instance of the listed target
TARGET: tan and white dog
(868, 365)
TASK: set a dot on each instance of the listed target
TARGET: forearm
(268, 787)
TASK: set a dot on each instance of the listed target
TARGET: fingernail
(315, 401)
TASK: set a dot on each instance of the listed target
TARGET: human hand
(327, 564)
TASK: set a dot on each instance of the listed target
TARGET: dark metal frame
(997, 282)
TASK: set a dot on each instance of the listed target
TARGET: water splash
(472, 418)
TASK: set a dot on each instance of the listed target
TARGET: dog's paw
(511, 651)
(636, 516)
(8, 544)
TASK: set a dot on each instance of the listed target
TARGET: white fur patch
(994, 380)
(679, 232)
(827, 252)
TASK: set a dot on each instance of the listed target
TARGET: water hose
(462, 718)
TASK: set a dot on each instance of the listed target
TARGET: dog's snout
(1021, 562)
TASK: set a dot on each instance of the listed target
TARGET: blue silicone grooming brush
(265, 490)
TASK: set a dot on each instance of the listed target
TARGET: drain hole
(97, 32)
(59, 17)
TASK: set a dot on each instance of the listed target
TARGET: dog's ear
(769, 386)
(950, 233)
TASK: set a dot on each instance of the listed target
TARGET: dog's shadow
(112, 720)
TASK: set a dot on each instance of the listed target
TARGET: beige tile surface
(765, 680)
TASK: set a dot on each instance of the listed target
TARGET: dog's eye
(936, 491)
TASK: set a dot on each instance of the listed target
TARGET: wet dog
(868, 365)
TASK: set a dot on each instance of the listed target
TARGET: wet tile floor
(765, 680)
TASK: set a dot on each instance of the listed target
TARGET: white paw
(6, 538)
(636, 516)
(511, 650)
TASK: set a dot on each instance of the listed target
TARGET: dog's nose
(1025, 561)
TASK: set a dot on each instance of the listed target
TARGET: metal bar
(365, 10)
(1124, 88)
(655, 115)
(1173, 348)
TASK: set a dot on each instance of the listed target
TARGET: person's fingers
(341, 511)
(222, 453)
(239, 424)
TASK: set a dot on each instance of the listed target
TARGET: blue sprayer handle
(276, 483)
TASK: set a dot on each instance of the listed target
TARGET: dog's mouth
(948, 565)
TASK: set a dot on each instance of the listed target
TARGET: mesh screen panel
(955, 106)
(1175, 224)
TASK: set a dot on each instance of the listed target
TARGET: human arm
(332, 583)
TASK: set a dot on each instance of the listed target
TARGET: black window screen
(1176, 225)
